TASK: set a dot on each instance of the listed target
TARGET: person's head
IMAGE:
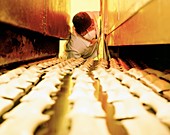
(82, 22)
(84, 26)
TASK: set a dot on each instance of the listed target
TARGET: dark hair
(81, 22)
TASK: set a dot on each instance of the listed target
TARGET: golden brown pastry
(87, 125)
(148, 79)
(155, 72)
(160, 85)
(166, 77)
(147, 124)
(5, 105)
(137, 73)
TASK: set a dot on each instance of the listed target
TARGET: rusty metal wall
(57, 19)
(23, 13)
(31, 29)
(19, 45)
(49, 17)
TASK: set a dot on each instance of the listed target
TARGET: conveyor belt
(78, 96)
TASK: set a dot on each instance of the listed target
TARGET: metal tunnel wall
(134, 22)
(31, 29)
(49, 17)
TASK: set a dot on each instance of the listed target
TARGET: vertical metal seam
(45, 18)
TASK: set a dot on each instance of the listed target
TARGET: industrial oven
(126, 91)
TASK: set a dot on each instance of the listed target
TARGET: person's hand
(93, 42)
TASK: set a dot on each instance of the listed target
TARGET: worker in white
(83, 40)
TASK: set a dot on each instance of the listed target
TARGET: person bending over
(83, 39)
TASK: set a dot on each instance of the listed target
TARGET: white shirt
(78, 47)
